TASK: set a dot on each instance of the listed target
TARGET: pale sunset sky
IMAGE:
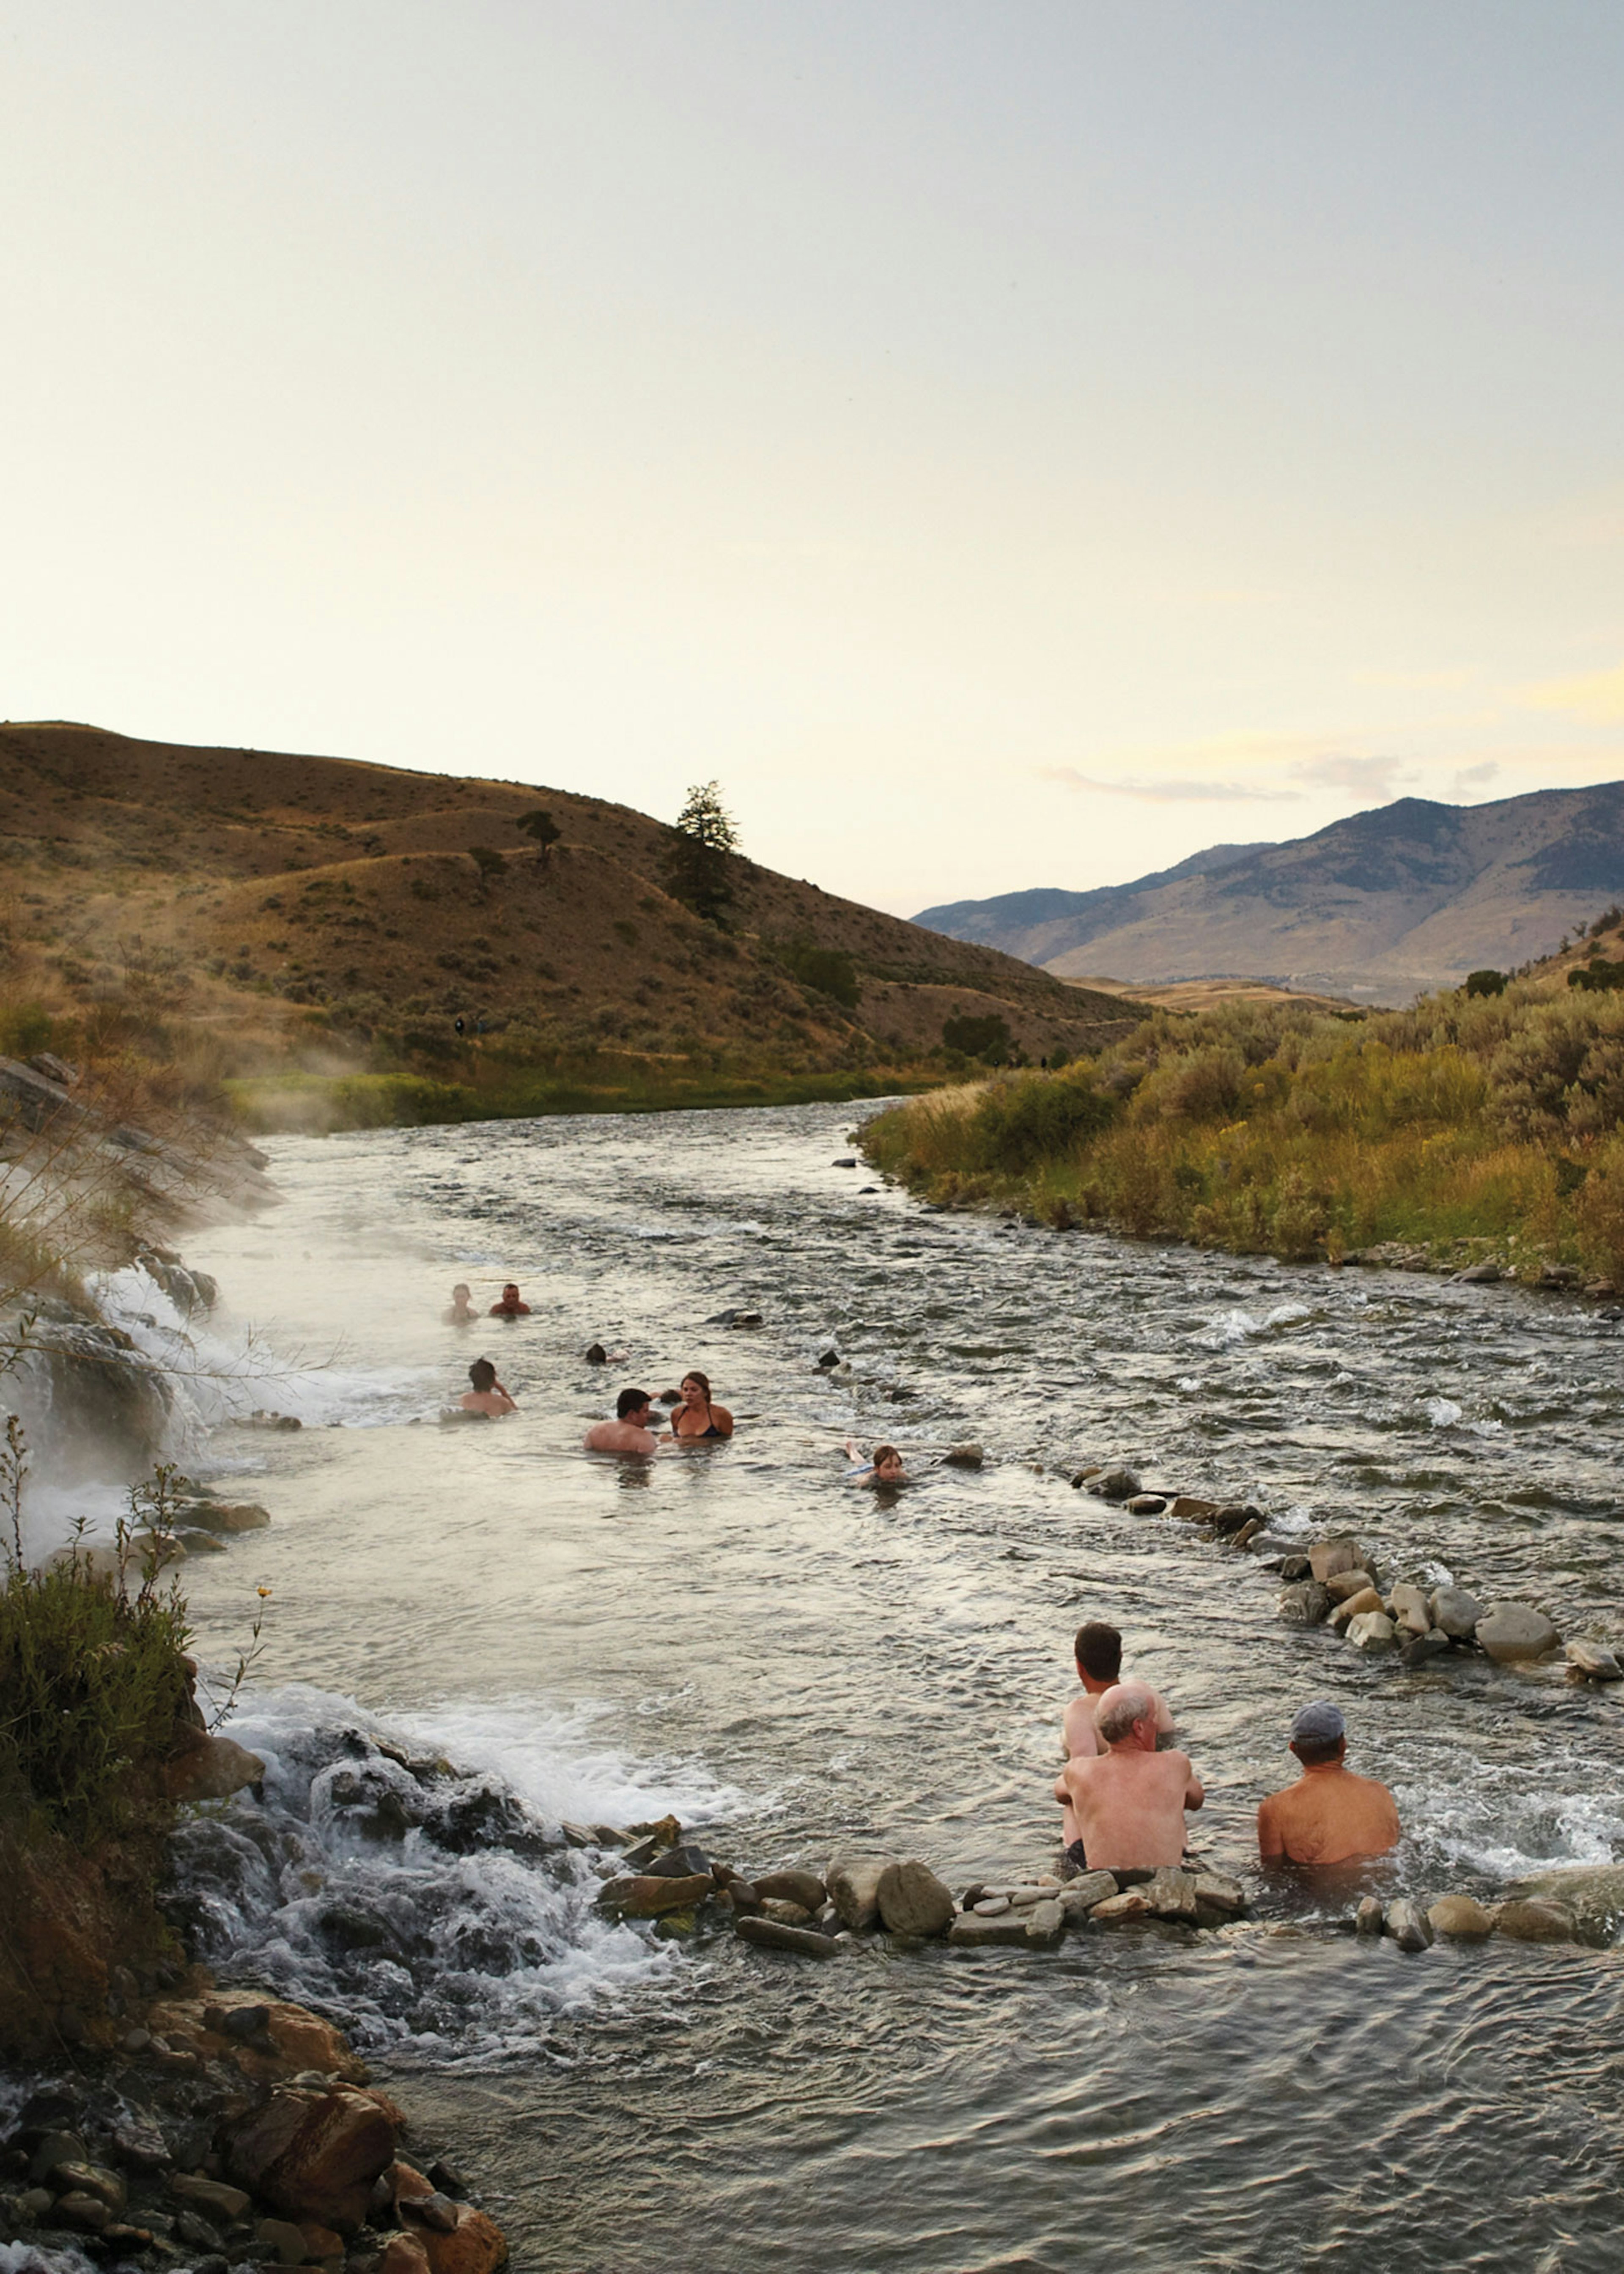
(1005, 444)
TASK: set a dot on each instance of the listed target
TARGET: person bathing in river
(487, 1395)
(884, 1468)
(1329, 1815)
(1128, 1801)
(630, 1431)
(695, 1417)
(1097, 1649)
(462, 1312)
(510, 1307)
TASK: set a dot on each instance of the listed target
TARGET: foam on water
(1241, 1326)
(431, 1907)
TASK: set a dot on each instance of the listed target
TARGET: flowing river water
(795, 1666)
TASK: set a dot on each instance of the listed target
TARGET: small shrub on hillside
(987, 1038)
(826, 970)
(1597, 977)
(1484, 982)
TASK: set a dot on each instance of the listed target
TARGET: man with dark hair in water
(510, 1307)
(1097, 1649)
(1329, 1815)
(630, 1431)
(487, 1395)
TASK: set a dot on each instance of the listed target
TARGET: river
(795, 1666)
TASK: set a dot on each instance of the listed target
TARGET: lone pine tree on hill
(702, 844)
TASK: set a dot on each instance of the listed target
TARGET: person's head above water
(632, 1405)
(887, 1463)
(1122, 1710)
(461, 1293)
(1098, 1651)
(693, 1381)
(1319, 1734)
(482, 1373)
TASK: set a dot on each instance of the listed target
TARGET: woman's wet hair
(886, 1453)
(1099, 1651)
(482, 1373)
(461, 1288)
(694, 1375)
(629, 1401)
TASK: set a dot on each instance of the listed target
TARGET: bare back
(620, 1437)
(1329, 1816)
(1128, 1805)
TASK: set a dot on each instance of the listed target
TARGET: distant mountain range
(1380, 907)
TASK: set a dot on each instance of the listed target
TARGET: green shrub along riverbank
(1472, 1126)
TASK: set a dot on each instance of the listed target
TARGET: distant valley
(1379, 907)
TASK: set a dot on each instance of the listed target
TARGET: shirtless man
(630, 1431)
(487, 1395)
(1129, 1801)
(1098, 1651)
(1329, 1815)
(510, 1307)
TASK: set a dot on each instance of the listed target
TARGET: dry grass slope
(300, 922)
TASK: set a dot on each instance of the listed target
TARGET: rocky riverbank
(229, 2131)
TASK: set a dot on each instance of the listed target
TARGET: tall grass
(1463, 1125)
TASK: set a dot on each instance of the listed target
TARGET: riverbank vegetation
(1472, 1126)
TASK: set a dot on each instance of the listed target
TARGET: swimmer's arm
(1271, 1846)
(1062, 1791)
(1195, 1791)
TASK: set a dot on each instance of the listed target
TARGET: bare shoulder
(1078, 1730)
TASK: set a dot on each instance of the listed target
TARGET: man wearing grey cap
(1329, 1815)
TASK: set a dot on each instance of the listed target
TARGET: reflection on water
(796, 1664)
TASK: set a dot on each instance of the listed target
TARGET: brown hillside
(274, 901)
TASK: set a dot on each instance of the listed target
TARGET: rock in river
(806, 1941)
(968, 1932)
(1406, 1925)
(1516, 1631)
(1304, 1603)
(1327, 1557)
(853, 1885)
(1456, 1613)
(1371, 1630)
(1592, 1893)
(802, 1887)
(1595, 1661)
(913, 1901)
(1537, 1919)
(1461, 1916)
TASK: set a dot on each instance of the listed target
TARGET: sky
(1003, 443)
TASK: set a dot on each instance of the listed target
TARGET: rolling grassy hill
(313, 929)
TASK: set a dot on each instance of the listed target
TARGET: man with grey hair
(1129, 1800)
(1329, 1815)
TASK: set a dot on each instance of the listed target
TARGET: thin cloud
(1598, 695)
(1361, 777)
(1169, 790)
(1471, 777)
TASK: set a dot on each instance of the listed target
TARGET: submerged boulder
(1593, 1894)
(1508, 1631)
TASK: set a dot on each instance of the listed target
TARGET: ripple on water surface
(794, 1665)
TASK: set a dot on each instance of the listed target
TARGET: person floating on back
(1128, 1801)
(462, 1312)
(1097, 1649)
(885, 1468)
(487, 1395)
(630, 1431)
(510, 1307)
(695, 1417)
(1329, 1815)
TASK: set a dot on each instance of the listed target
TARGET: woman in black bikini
(696, 1417)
